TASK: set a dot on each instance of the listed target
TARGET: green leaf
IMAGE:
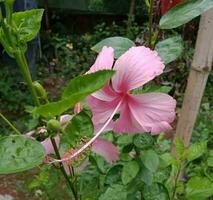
(57, 108)
(163, 89)
(184, 12)
(77, 90)
(199, 188)
(115, 192)
(28, 23)
(152, 88)
(143, 141)
(124, 139)
(210, 159)
(87, 84)
(210, 162)
(119, 44)
(180, 149)
(150, 160)
(19, 153)
(114, 174)
(170, 49)
(4, 40)
(166, 160)
(146, 176)
(129, 172)
(196, 150)
(100, 162)
(156, 191)
(80, 126)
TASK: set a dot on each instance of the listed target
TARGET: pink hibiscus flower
(152, 112)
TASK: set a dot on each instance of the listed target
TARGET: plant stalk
(176, 181)
(1, 16)
(131, 16)
(10, 124)
(9, 11)
(69, 183)
(150, 21)
(22, 62)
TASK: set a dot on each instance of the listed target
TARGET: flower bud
(40, 90)
(53, 125)
(78, 108)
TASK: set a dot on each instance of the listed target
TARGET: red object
(166, 5)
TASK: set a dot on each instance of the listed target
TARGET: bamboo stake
(201, 66)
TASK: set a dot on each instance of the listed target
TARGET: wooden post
(201, 66)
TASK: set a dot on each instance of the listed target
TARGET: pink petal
(126, 122)
(153, 111)
(30, 133)
(101, 110)
(82, 166)
(97, 127)
(104, 60)
(47, 144)
(136, 67)
(65, 118)
(106, 149)
(105, 94)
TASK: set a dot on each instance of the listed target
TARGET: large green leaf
(115, 192)
(88, 83)
(129, 172)
(28, 23)
(155, 191)
(19, 153)
(4, 40)
(170, 49)
(80, 126)
(57, 108)
(184, 12)
(199, 188)
(150, 160)
(119, 44)
(77, 90)
(196, 150)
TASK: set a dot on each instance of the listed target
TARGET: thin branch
(10, 124)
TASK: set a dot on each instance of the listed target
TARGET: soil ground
(12, 187)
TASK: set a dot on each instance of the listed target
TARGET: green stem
(176, 181)
(63, 170)
(150, 22)
(21, 60)
(142, 196)
(10, 124)
(131, 16)
(1, 16)
(9, 11)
